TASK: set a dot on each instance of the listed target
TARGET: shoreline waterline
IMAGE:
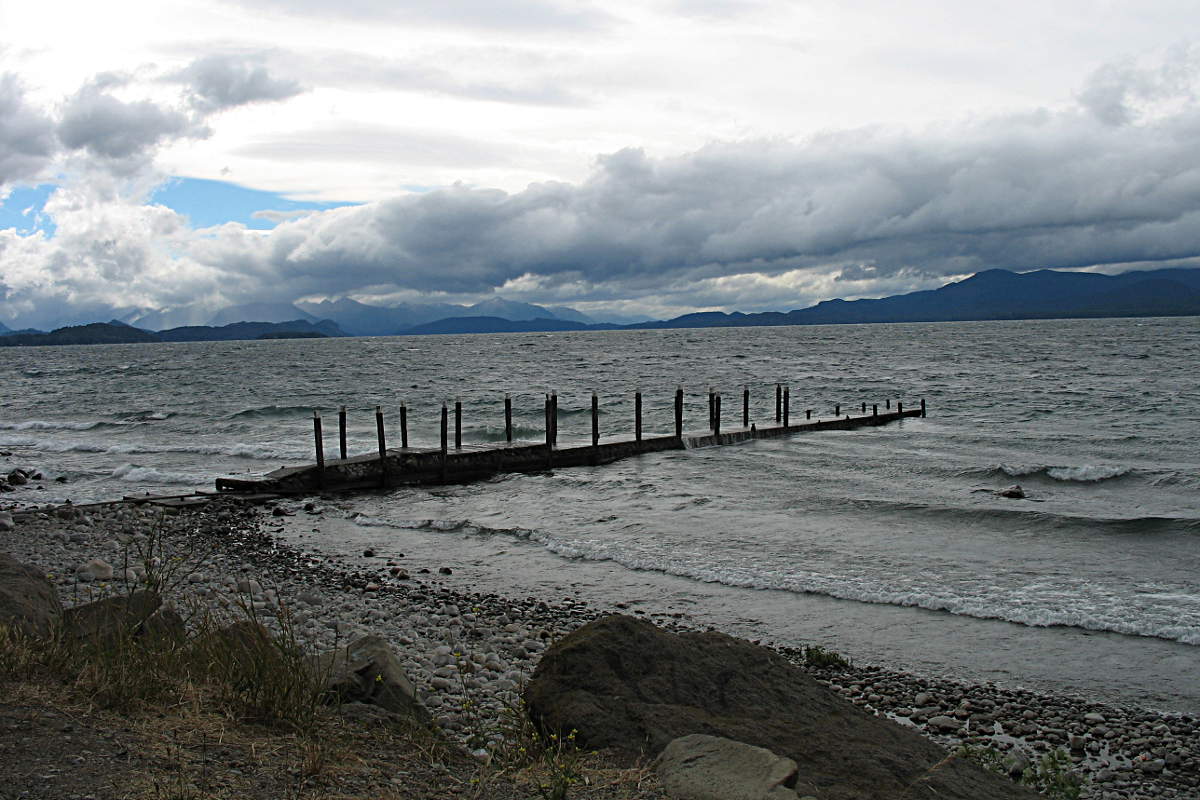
(1105, 666)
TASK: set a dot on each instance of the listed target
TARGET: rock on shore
(625, 683)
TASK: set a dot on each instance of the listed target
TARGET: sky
(644, 158)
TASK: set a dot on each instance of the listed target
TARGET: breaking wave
(50, 425)
(236, 450)
(271, 411)
(1084, 473)
(1097, 614)
(132, 473)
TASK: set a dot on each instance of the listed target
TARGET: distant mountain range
(117, 332)
(355, 318)
(992, 295)
(364, 320)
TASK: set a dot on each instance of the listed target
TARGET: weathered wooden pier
(459, 463)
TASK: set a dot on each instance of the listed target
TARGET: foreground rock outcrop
(28, 600)
(624, 683)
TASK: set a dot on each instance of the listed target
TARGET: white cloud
(368, 143)
(1122, 92)
(752, 224)
(759, 154)
(26, 135)
(506, 15)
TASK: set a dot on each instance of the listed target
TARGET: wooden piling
(595, 420)
(711, 406)
(864, 408)
(717, 415)
(887, 402)
(875, 410)
(922, 406)
(637, 415)
(445, 428)
(404, 426)
(319, 439)
(342, 432)
(745, 406)
(458, 423)
(679, 412)
(787, 401)
(508, 417)
(554, 418)
(808, 413)
(382, 446)
(900, 406)
(837, 410)
(778, 402)
(549, 436)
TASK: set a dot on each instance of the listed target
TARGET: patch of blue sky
(206, 203)
(22, 210)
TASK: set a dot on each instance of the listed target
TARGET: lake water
(888, 544)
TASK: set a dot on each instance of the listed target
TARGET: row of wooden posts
(782, 417)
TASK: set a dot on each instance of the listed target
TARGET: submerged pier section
(454, 462)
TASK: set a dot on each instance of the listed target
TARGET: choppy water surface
(884, 543)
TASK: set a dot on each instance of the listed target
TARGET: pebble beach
(470, 654)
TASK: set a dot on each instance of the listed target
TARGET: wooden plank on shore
(180, 502)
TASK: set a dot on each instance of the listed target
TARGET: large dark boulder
(138, 615)
(28, 600)
(624, 683)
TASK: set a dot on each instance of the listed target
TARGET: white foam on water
(1041, 605)
(1083, 473)
(44, 425)
(238, 450)
(133, 473)
(1087, 473)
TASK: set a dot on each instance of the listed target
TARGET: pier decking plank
(429, 466)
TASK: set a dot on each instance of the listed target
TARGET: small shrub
(249, 673)
(989, 758)
(162, 564)
(20, 653)
(550, 761)
(259, 676)
(560, 761)
(818, 657)
(119, 670)
(1052, 776)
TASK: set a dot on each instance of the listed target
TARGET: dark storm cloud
(512, 15)
(218, 82)
(1023, 192)
(26, 134)
(115, 130)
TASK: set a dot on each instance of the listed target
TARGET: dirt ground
(54, 746)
